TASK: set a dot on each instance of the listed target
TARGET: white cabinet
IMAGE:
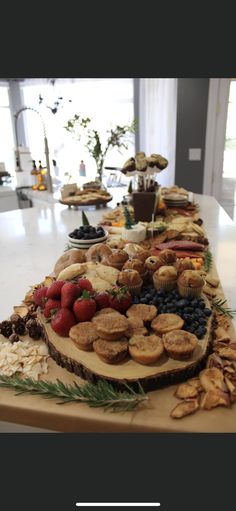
(8, 199)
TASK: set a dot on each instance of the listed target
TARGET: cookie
(111, 352)
(83, 335)
(145, 350)
(136, 327)
(165, 323)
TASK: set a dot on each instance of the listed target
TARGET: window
(7, 154)
(106, 101)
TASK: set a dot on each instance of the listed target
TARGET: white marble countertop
(33, 239)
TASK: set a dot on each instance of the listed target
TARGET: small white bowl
(87, 242)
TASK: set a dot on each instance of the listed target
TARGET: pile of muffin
(142, 334)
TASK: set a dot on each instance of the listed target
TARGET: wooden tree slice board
(96, 202)
(88, 365)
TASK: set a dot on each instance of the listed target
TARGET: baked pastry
(136, 327)
(182, 265)
(165, 278)
(145, 350)
(98, 253)
(129, 166)
(72, 256)
(134, 264)
(142, 255)
(111, 352)
(153, 263)
(132, 280)
(111, 326)
(179, 344)
(142, 311)
(165, 323)
(102, 277)
(133, 250)
(168, 256)
(190, 283)
(117, 258)
(83, 335)
(159, 161)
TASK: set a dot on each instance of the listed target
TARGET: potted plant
(82, 129)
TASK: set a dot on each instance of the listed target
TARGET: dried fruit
(185, 391)
(227, 352)
(185, 408)
(214, 398)
(212, 379)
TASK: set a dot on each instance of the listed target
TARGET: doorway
(228, 188)
(220, 156)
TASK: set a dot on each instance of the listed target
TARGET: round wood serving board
(88, 365)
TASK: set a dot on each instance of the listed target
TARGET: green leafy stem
(100, 395)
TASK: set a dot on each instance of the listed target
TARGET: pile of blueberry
(192, 310)
(87, 232)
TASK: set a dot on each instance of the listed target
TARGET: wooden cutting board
(90, 367)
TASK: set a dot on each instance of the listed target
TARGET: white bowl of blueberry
(87, 235)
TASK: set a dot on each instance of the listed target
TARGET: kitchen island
(31, 241)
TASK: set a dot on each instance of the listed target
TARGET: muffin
(153, 263)
(132, 280)
(138, 265)
(165, 278)
(182, 265)
(145, 350)
(142, 311)
(142, 255)
(111, 352)
(133, 249)
(165, 323)
(179, 344)
(190, 283)
(111, 327)
(168, 256)
(117, 258)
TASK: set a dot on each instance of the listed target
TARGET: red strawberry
(62, 322)
(39, 296)
(54, 291)
(85, 307)
(85, 284)
(120, 299)
(69, 293)
(102, 300)
(50, 307)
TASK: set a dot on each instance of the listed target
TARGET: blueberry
(207, 312)
(188, 310)
(202, 321)
(135, 300)
(202, 305)
(191, 329)
(143, 300)
(148, 296)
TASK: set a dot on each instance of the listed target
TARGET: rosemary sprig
(208, 260)
(100, 395)
(219, 305)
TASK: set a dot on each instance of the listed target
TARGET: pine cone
(15, 318)
(35, 330)
(19, 328)
(14, 338)
(29, 316)
(6, 328)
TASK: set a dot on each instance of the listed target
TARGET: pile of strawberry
(67, 303)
